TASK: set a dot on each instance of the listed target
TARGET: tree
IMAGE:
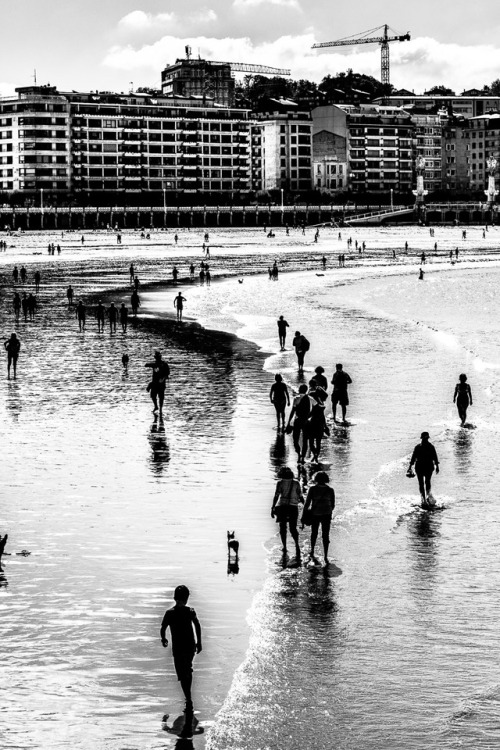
(440, 91)
(341, 86)
(494, 89)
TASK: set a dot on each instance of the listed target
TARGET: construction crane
(363, 38)
(264, 70)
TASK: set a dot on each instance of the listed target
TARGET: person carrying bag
(285, 507)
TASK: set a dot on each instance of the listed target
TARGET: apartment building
(282, 148)
(196, 77)
(455, 155)
(428, 144)
(105, 142)
(329, 148)
(483, 137)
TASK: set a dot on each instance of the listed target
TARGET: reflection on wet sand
(160, 451)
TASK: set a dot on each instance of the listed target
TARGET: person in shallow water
(321, 500)
(340, 381)
(301, 410)
(279, 398)
(156, 388)
(13, 347)
(282, 326)
(285, 507)
(462, 397)
(185, 630)
(425, 458)
(179, 305)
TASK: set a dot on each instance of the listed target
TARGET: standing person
(323, 262)
(112, 316)
(179, 305)
(340, 381)
(175, 274)
(15, 274)
(208, 277)
(202, 275)
(316, 423)
(462, 397)
(191, 271)
(83, 239)
(16, 304)
(301, 410)
(136, 283)
(422, 258)
(132, 273)
(425, 458)
(176, 238)
(181, 620)
(279, 397)
(135, 302)
(321, 499)
(32, 302)
(421, 274)
(99, 314)
(320, 380)
(13, 347)
(302, 346)
(161, 373)
(282, 326)
(124, 317)
(23, 274)
(25, 306)
(38, 278)
(285, 507)
(81, 315)
(69, 295)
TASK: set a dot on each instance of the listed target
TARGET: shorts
(340, 397)
(284, 513)
(183, 663)
(323, 521)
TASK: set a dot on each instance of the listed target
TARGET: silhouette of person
(161, 373)
(25, 306)
(135, 301)
(23, 274)
(112, 316)
(185, 631)
(301, 345)
(124, 317)
(340, 381)
(16, 304)
(99, 313)
(69, 295)
(3, 542)
(425, 458)
(300, 412)
(179, 305)
(285, 507)
(13, 347)
(282, 326)
(38, 278)
(462, 397)
(279, 397)
(32, 302)
(80, 313)
(321, 499)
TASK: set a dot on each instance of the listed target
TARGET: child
(181, 619)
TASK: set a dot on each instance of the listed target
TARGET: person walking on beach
(462, 397)
(69, 295)
(179, 305)
(81, 315)
(320, 380)
(321, 500)
(425, 458)
(16, 304)
(191, 272)
(15, 274)
(340, 381)
(300, 412)
(135, 302)
(279, 397)
(316, 423)
(24, 305)
(185, 631)
(421, 274)
(132, 273)
(32, 303)
(282, 326)
(124, 317)
(302, 346)
(175, 274)
(156, 388)
(23, 275)
(112, 317)
(13, 347)
(285, 507)
(99, 314)
(38, 278)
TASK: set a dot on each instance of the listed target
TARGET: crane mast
(382, 40)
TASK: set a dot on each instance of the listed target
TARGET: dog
(233, 544)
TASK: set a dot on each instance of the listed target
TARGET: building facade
(428, 144)
(329, 149)
(466, 106)
(192, 77)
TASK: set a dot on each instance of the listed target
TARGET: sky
(122, 44)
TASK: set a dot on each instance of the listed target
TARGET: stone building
(329, 149)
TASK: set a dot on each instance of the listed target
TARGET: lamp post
(41, 208)
(491, 193)
(392, 199)
(420, 192)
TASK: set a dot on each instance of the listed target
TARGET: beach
(396, 644)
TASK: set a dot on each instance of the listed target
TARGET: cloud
(416, 65)
(8, 89)
(250, 4)
(138, 20)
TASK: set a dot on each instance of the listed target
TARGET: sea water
(397, 644)
(393, 646)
